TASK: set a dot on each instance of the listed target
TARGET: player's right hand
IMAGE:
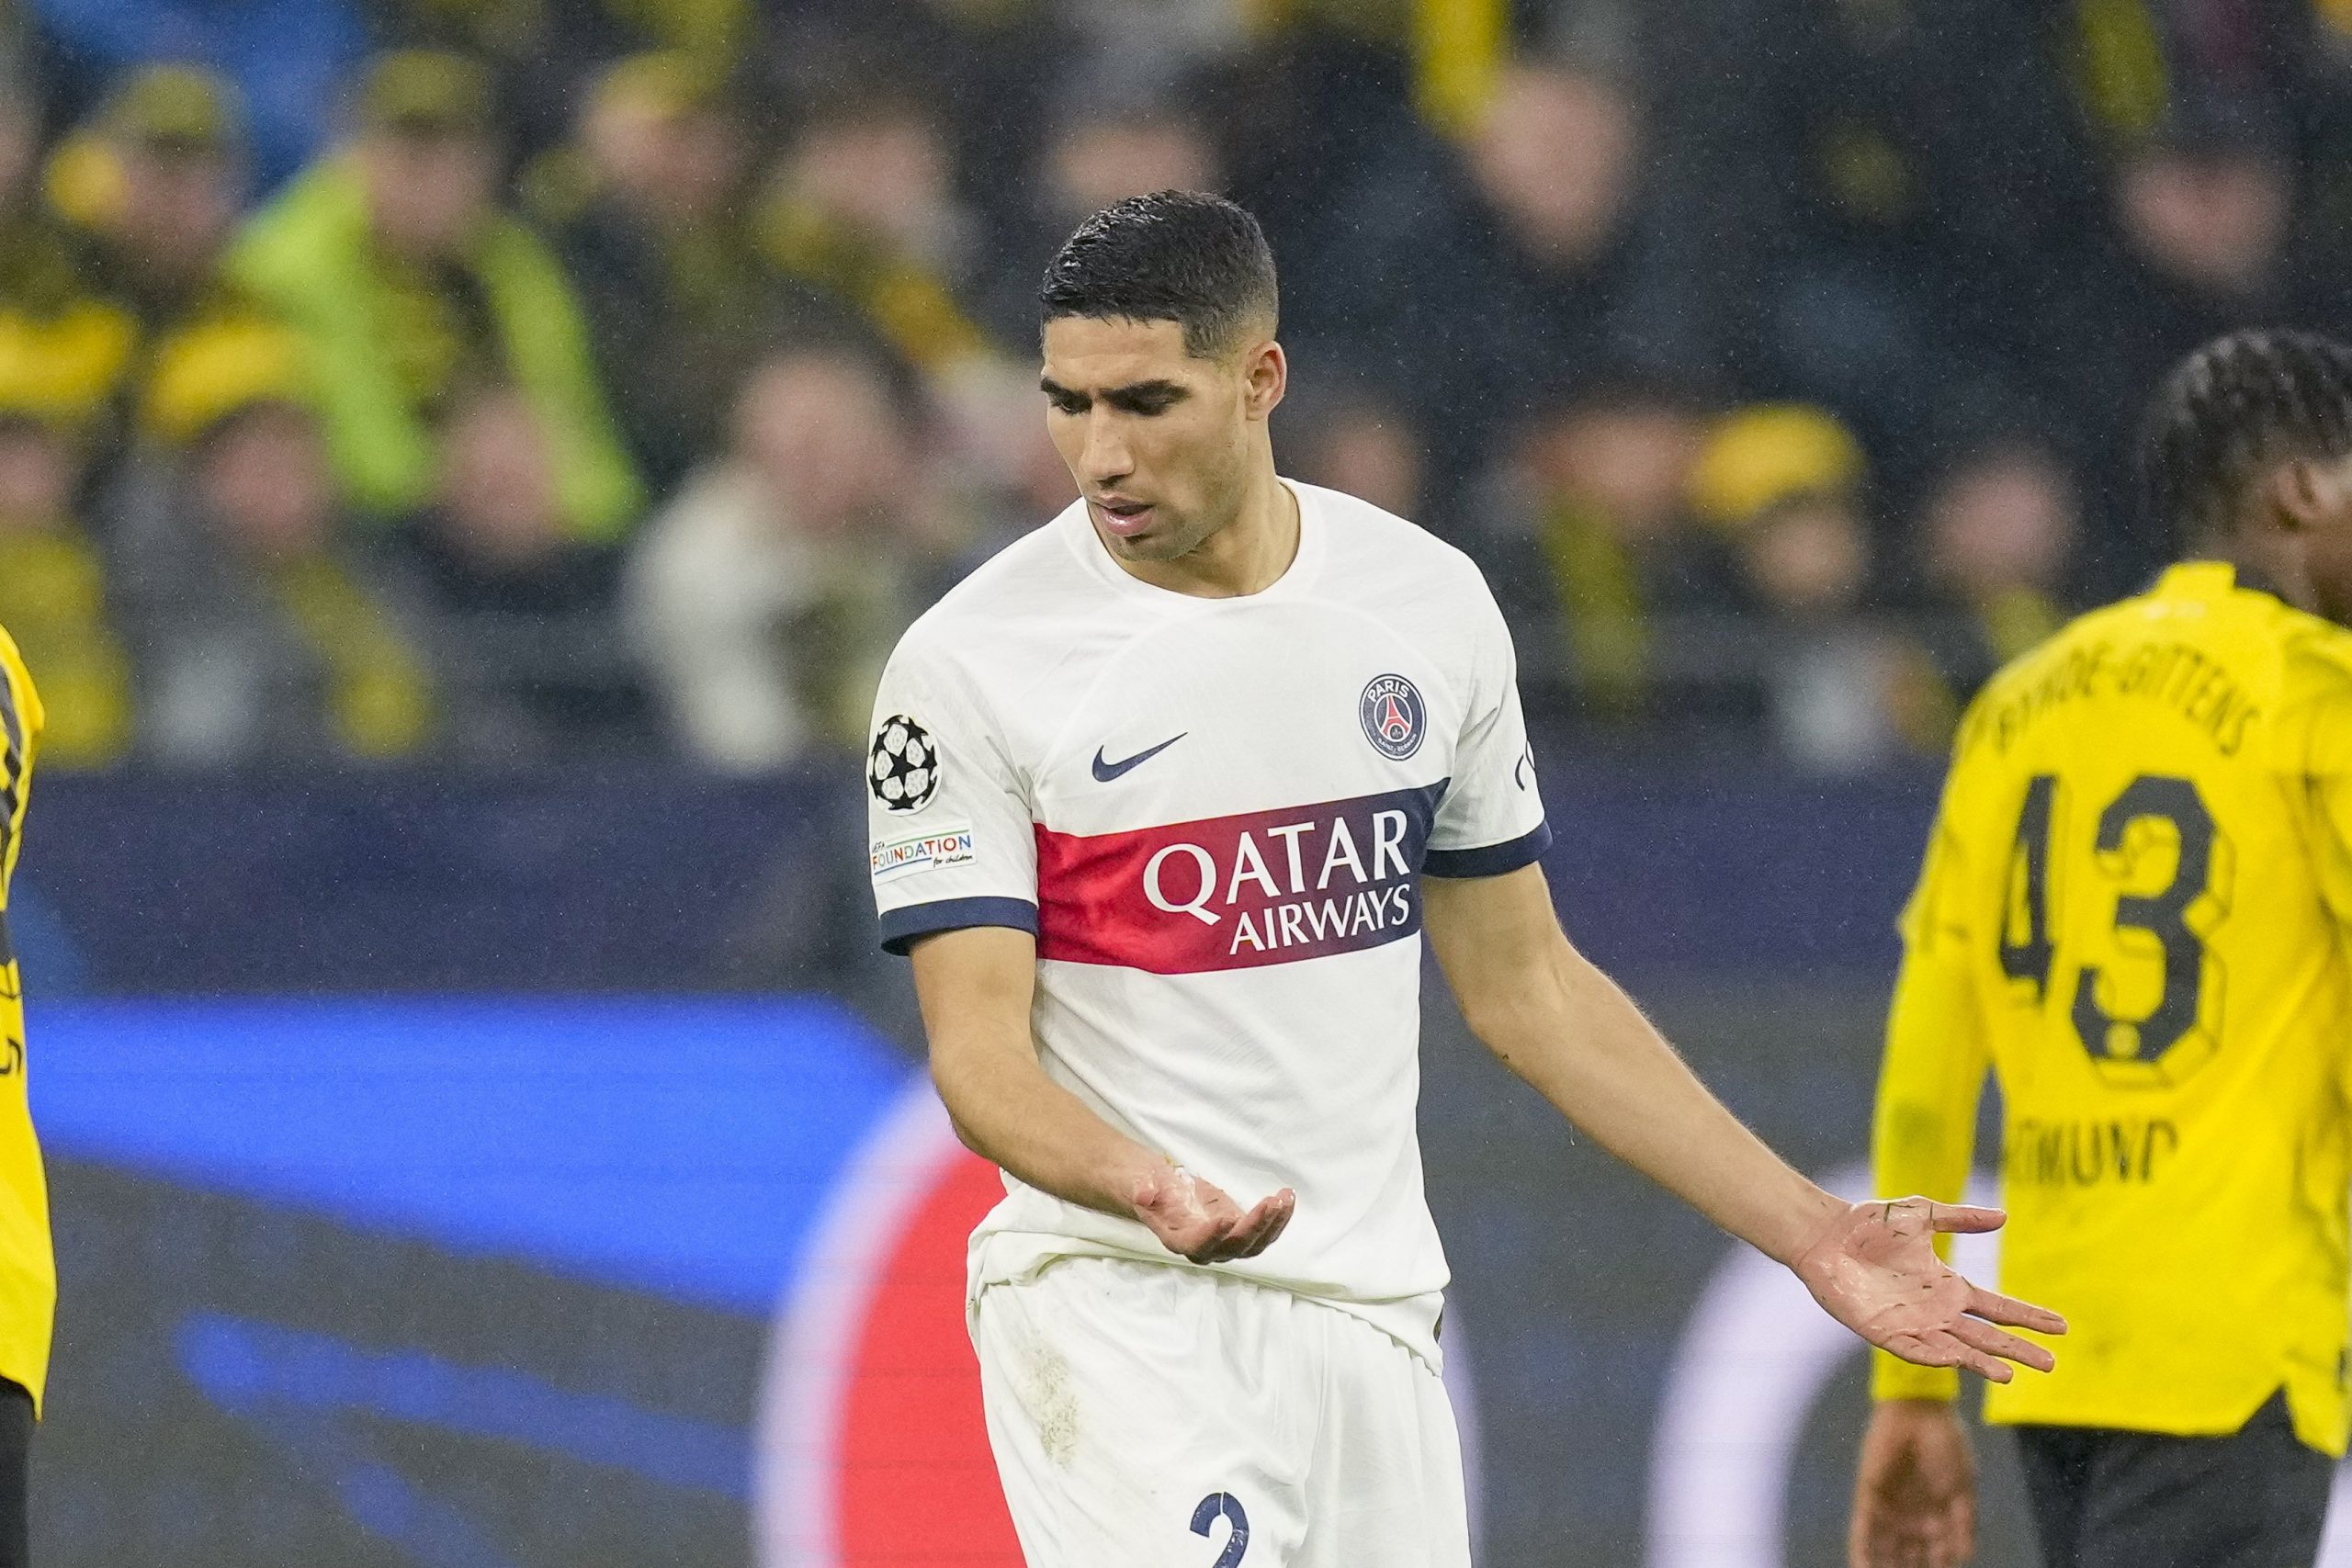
(1915, 1498)
(1194, 1219)
(1874, 1269)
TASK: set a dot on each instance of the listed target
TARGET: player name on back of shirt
(1238, 892)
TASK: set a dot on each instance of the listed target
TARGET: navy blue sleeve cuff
(1490, 860)
(901, 926)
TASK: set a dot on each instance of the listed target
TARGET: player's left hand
(1874, 1269)
(1195, 1219)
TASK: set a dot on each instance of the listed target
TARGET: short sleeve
(1491, 819)
(950, 837)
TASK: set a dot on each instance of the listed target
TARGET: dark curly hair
(2229, 412)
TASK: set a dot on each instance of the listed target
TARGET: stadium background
(462, 461)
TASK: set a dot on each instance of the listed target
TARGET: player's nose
(1105, 456)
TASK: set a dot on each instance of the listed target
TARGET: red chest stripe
(1238, 892)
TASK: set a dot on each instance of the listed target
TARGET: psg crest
(1394, 718)
(902, 768)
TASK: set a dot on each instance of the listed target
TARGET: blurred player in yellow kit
(27, 1269)
(2135, 912)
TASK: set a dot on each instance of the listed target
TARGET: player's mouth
(1123, 517)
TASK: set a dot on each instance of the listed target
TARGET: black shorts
(2111, 1499)
(15, 1450)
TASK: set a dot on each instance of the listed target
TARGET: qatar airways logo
(1237, 892)
(1368, 901)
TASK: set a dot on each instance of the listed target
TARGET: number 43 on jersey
(2142, 880)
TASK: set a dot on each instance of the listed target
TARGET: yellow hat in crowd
(659, 85)
(427, 91)
(176, 106)
(1760, 457)
(204, 375)
(176, 109)
(61, 369)
(664, 83)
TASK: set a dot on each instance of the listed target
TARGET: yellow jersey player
(2135, 912)
(28, 1270)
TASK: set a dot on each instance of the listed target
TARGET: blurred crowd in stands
(498, 381)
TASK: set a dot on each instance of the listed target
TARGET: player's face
(1159, 441)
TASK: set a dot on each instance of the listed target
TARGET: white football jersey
(1215, 814)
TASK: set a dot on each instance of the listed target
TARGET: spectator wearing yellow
(1587, 535)
(154, 185)
(646, 206)
(54, 383)
(860, 216)
(1457, 48)
(1845, 690)
(65, 348)
(407, 281)
(152, 189)
(863, 205)
(264, 631)
(41, 269)
(713, 30)
(541, 52)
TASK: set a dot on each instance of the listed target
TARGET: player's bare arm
(975, 987)
(1914, 1496)
(1565, 1028)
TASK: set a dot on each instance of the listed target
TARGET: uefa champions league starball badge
(902, 767)
(1394, 718)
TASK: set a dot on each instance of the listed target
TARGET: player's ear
(2300, 496)
(2330, 491)
(1265, 376)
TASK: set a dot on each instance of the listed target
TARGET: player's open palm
(1195, 1219)
(1876, 1271)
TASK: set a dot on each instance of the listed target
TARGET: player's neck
(2258, 568)
(1247, 555)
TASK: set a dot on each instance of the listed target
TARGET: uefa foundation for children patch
(891, 859)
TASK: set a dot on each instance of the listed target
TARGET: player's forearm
(976, 987)
(1574, 1035)
(1007, 1111)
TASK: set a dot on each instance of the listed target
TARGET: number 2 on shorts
(1226, 1507)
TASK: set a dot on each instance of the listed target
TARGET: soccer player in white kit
(1164, 798)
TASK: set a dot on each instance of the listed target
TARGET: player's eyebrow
(1146, 397)
(1136, 397)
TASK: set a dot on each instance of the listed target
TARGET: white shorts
(1146, 1416)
